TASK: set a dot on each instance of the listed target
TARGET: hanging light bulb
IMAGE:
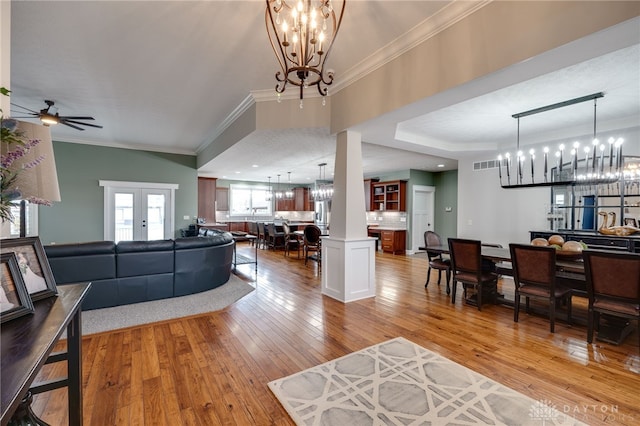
(289, 193)
(279, 194)
(268, 193)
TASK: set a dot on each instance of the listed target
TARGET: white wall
(492, 214)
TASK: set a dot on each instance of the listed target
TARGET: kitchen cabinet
(300, 202)
(237, 226)
(222, 199)
(303, 200)
(390, 196)
(393, 241)
(207, 199)
(368, 190)
(284, 204)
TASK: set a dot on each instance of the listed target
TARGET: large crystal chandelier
(302, 36)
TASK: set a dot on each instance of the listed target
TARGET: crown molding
(440, 21)
(137, 147)
(246, 103)
(443, 19)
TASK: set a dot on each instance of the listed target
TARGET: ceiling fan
(49, 116)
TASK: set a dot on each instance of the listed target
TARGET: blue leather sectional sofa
(138, 271)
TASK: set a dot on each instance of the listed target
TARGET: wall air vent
(485, 165)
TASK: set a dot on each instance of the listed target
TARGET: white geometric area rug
(400, 383)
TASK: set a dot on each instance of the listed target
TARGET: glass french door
(138, 214)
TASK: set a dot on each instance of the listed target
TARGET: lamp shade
(39, 181)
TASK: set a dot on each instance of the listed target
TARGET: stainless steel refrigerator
(321, 216)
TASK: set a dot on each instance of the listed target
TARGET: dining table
(570, 272)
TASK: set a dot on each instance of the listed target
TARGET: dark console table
(27, 343)
(595, 240)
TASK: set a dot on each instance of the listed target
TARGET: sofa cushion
(102, 294)
(137, 258)
(81, 262)
(145, 287)
(202, 241)
(202, 267)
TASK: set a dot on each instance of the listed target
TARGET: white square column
(348, 254)
(349, 269)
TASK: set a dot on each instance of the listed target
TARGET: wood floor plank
(214, 368)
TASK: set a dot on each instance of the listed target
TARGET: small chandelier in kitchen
(268, 195)
(288, 194)
(279, 194)
(301, 36)
(323, 190)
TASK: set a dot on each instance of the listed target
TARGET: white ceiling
(165, 76)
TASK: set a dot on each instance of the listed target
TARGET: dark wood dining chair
(274, 238)
(291, 240)
(253, 230)
(613, 286)
(466, 266)
(262, 235)
(534, 275)
(436, 260)
(312, 243)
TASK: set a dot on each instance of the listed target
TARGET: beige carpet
(400, 383)
(105, 319)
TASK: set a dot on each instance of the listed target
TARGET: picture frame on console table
(14, 298)
(33, 265)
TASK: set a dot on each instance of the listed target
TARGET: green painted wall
(416, 177)
(79, 216)
(446, 184)
(446, 223)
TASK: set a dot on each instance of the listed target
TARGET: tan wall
(288, 114)
(496, 36)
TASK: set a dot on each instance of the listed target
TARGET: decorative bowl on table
(569, 250)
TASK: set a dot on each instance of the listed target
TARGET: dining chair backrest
(432, 239)
(312, 234)
(270, 230)
(466, 255)
(613, 286)
(533, 264)
(286, 228)
(612, 274)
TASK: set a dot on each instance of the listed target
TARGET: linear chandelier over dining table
(594, 168)
(302, 35)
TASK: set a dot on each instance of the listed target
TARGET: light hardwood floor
(214, 368)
